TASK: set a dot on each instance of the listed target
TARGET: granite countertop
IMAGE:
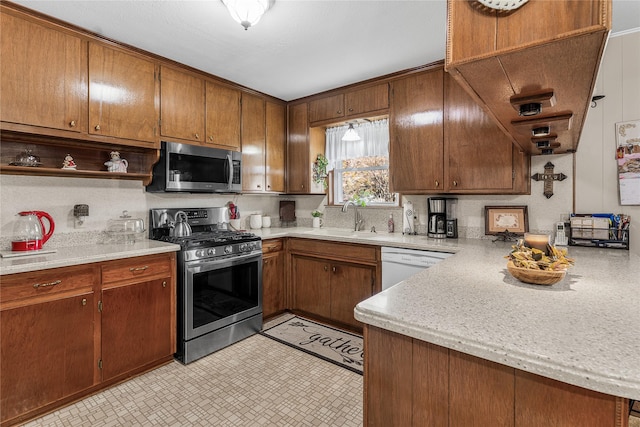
(584, 330)
(83, 254)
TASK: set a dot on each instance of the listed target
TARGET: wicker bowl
(536, 277)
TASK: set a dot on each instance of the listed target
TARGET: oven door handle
(208, 265)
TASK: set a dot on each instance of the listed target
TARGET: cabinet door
(122, 95)
(273, 290)
(275, 147)
(223, 116)
(253, 143)
(366, 100)
(312, 289)
(181, 105)
(331, 107)
(44, 76)
(136, 326)
(350, 284)
(46, 352)
(416, 133)
(298, 163)
(478, 155)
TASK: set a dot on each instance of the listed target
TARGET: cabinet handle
(164, 283)
(455, 183)
(210, 138)
(302, 186)
(333, 269)
(84, 301)
(72, 123)
(97, 127)
(44, 285)
(134, 269)
(326, 268)
(197, 136)
(437, 183)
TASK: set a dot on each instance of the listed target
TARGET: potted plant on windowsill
(320, 170)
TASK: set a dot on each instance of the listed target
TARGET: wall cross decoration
(548, 177)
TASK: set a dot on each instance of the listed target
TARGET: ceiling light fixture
(351, 135)
(247, 12)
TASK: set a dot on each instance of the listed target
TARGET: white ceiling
(300, 47)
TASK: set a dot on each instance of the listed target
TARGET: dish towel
(407, 219)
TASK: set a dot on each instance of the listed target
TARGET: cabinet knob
(455, 183)
(84, 301)
(196, 136)
(164, 283)
(339, 112)
(326, 268)
(350, 109)
(97, 127)
(269, 186)
(72, 123)
(266, 261)
(210, 138)
(259, 186)
(333, 269)
(302, 186)
(437, 183)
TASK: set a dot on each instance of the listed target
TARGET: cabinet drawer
(272, 245)
(137, 268)
(47, 282)
(330, 250)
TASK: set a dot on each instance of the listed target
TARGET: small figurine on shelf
(116, 164)
(68, 162)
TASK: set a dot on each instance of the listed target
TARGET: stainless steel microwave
(196, 169)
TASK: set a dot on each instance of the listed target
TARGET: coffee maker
(437, 221)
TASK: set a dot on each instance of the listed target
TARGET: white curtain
(374, 141)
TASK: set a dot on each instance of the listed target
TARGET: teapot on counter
(29, 234)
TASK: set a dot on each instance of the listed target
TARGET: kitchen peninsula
(467, 344)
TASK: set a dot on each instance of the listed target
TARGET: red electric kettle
(28, 231)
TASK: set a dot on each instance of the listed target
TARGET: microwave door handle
(230, 167)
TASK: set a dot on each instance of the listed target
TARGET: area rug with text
(333, 345)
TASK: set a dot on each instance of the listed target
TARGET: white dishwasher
(399, 264)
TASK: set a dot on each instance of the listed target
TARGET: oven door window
(225, 294)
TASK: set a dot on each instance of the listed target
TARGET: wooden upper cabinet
(182, 97)
(367, 100)
(223, 116)
(275, 147)
(351, 104)
(123, 95)
(416, 133)
(509, 59)
(253, 143)
(298, 166)
(331, 107)
(533, 23)
(43, 77)
(478, 155)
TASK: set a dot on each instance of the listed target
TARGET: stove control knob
(243, 247)
(199, 253)
(228, 249)
(211, 251)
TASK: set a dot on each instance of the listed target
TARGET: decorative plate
(503, 5)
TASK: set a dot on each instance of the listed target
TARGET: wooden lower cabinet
(46, 353)
(408, 382)
(273, 283)
(329, 279)
(136, 328)
(54, 338)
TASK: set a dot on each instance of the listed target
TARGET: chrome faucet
(358, 221)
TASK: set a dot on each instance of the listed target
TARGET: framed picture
(499, 219)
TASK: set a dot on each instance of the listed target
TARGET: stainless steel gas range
(219, 280)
